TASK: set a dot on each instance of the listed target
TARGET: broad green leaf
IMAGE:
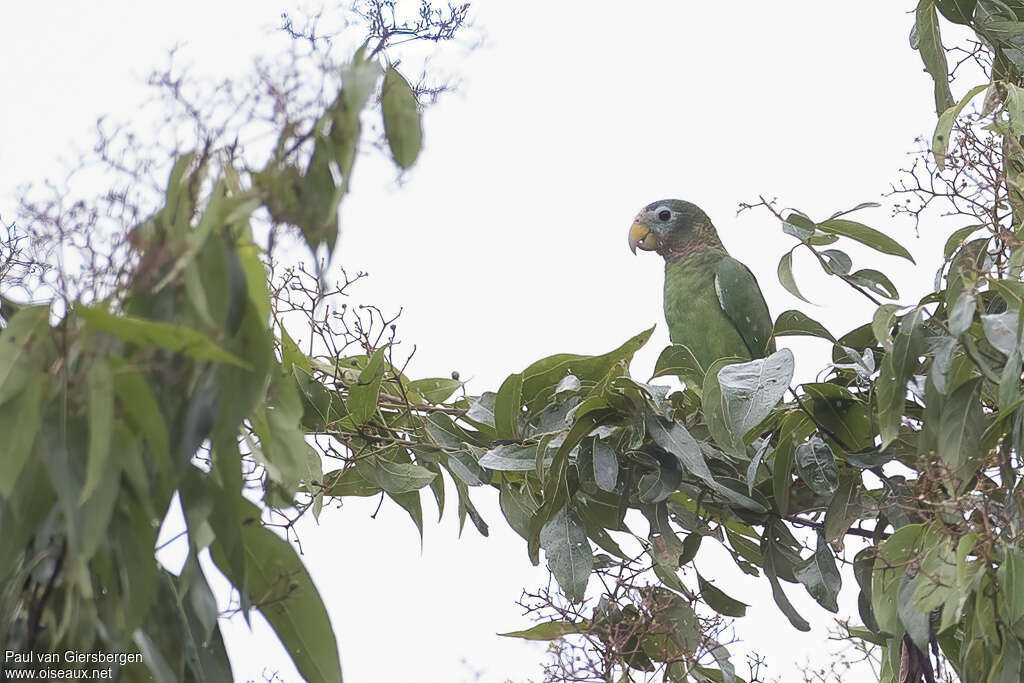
(541, 378)
(606, 466)
(914, 620)
(186, 340)
(435, 389)
(676, 440)
(512, 458)
(962, 315)
(20, 421)
(518, 506)
(358, 479)
(508, 407)
(401, 118)
(836, 262)
(100, 382)
(678, 360)
(741, 395)
(1002, 330)
(956, 240)
(821, 576)
(816, 465)
(17, 340)
(874, 281)
(402, 477)
(1011, 584)
(363, 395)
(940, 142)
(794, 322)
(845, 416)
(843, 510)
(960, 430)
(957, 11)
(870, 237)
(550, 630)
(937, 578)
(896, 368)
(283, 591)
(568, 552)
(785, 274)
(719, 601)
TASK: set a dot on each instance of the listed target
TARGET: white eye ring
(663, 213)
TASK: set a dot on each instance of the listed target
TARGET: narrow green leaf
(550, 630)
(363, 395)
(100, 382)
(785, 274)
(435, 389)
(186, 340)
(719, 601)
(20, 420)
(401, 118)
(508, 407)
(932, 53)
(870, 237)
(940, 143)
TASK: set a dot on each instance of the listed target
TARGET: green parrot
(713, 304)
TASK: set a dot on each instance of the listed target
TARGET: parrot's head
(672, 228)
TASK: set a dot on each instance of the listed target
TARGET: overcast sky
(507, 242)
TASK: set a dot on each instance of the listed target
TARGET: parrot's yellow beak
(642, 237)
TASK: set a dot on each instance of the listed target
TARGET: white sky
(508, 241)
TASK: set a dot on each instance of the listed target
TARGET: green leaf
(821, 576)
(100, 382)
(568, 552)
(836, 262)
(150, 333)
(606, 466)
(914, 620)
(960, 429)
(875, 281)
(17, 340)
(817, 466)
(679, 361)
(956, 240)
(508, 407)
(435, 389)
(719, 601)
(932, 53)
(512, 458)
(1011, 584)
(841, 413)
(401, 118)
(740, 395)
(940, 143)
(550, 630)
(778, 594)
(20, 420)
(541, 378)
(896, 367)
(796, 323)
(870, 237)
(676, 440)
(402, 477)
(785, 274)
(962, 315)
(363, 395)
(843, 510)
(957, 11)
(281, 588)
(1002, 330)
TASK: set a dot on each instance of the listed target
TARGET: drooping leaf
(932, 53)
(719, 601)
(281, 588)
(786, 279)
(568, 552)
(821, 576)
(943, 130)
(401, 118)
(363, 395)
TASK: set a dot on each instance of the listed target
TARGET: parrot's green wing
(744, 305)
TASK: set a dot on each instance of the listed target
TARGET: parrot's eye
(664, 215)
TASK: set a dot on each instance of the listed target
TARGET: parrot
(713, 304)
